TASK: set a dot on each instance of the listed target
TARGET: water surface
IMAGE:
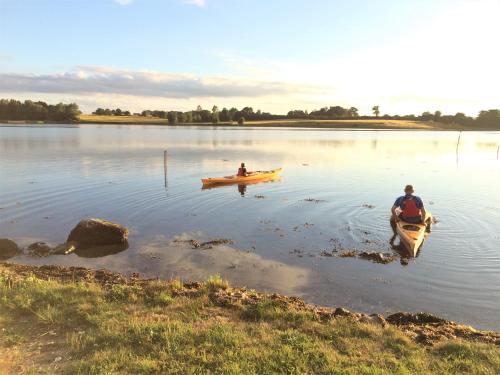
(52, 177)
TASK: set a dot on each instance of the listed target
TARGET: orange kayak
(235, 179)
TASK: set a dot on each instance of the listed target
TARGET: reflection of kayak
(245, 183)
(234, 179)
(412, 235)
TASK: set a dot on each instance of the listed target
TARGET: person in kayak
(411, 207)
(242, 171)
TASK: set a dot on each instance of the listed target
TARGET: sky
(275, 55)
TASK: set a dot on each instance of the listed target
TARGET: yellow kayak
(235, 179)
(412, 235)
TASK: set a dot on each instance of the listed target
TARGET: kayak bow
(412, 235)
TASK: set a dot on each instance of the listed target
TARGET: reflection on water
(242, 187)
(337, 188)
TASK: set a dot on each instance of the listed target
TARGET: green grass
(152, 328)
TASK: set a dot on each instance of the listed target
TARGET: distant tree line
(489, 118)
(110, 112)
(200, 115)
(28, 110)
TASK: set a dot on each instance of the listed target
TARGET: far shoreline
(361, 124)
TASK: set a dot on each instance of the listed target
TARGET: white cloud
(200, 3)
(90, 80)
(137, 90)
(124, 2)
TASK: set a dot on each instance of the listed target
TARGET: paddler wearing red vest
(410, 206)
(242, 171)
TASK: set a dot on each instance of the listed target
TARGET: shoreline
(362, 124)
(77, 320)
(107, 278)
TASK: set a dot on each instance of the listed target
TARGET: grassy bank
(55, 320)
(288, 123)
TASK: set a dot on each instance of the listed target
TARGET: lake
(335, 191)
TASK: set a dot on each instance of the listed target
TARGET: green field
(103, 323)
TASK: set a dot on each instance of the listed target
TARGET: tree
(437, 115)
(490, 118)
(206, 115)
(224, 115)
(241, 121)
(188, 117)
(336, 112)
(426, 116)
(352, 112)
(172, 117)
(231, 113)
(215, 115)
(376, 110)
(181, 117)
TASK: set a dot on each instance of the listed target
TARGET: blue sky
(274, 54)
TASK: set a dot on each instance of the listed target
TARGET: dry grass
(95, 119)
(351, 124)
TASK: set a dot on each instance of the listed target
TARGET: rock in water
(8, 248)
(98, 232)
(39, 248)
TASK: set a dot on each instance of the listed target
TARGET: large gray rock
(8, 248)
(98, 232)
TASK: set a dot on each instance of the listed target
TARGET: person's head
(242, 165)
(409, 189)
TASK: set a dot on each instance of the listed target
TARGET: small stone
(58, 359)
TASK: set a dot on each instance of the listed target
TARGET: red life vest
(410, 208)
(242, 171)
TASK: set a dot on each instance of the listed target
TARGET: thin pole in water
(458, 142)
(165, 166)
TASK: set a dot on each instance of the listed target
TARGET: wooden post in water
(458, 142)
(165, 166)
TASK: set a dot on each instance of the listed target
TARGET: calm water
(50, 178)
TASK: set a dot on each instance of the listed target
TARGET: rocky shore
(423, 328)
